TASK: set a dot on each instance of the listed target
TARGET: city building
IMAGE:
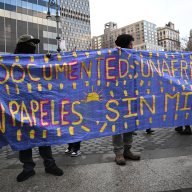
(18, 17)
(97, 42)
(144, 33)
(75, 24)
(168, 37)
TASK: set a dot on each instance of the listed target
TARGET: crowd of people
(122, 142)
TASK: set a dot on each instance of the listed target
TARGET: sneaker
(119, 159)
(130, 155)
(54, 170)
(75, 153)
(24, 175)
(68, 152)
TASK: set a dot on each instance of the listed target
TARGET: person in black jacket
(27, 45)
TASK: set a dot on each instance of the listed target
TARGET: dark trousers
(25, 156)
(74, 146)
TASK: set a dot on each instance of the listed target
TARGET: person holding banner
(122, 142)
(27, 45)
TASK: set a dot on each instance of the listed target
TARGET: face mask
(31, 44)
(29, 48)
(26, 48)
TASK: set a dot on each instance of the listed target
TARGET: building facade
(18, 17)
(97, 42)
(75, 24)
(144, 33)
(168, 37)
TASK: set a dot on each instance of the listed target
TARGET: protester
(27, 45)
(73, 149)
(186, 131)
(122, 142)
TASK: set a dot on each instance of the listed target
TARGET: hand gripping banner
(77, 96)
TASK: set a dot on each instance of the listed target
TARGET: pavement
(165, 165)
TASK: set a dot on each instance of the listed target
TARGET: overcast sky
(125, 12)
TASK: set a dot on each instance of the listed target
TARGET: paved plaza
(166, 165)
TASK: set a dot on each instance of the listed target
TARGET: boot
(128, 154)
(119, 159)
(134, 133)
(179, 129)
(54, 170)
(24, 175)
(149, 131)
(186, 131)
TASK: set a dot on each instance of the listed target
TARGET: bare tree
(186, 44)
(189, 45)
(183, 43)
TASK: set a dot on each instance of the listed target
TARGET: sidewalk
(166, 165)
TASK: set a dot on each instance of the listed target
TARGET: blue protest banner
(83, 95)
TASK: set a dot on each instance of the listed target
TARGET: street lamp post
(57, 18)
